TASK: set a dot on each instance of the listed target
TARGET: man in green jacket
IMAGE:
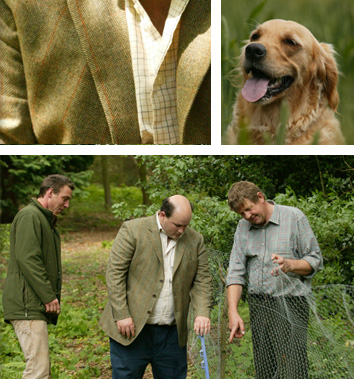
(31, 297)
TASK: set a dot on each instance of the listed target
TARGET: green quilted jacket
(34, 272)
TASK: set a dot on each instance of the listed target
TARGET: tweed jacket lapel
(194, 55)
(179, 252)
(155, 238)
(157, 247)
(107, 50)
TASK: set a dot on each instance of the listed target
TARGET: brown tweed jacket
(66, 74)
(135, 277)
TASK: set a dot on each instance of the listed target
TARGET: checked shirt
(288, 234)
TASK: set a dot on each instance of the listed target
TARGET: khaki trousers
(33, 338)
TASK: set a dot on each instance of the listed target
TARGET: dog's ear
(327, 73)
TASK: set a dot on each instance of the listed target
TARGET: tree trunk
(106, 184)
(143, 181)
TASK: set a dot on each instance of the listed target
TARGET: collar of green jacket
(48, 214)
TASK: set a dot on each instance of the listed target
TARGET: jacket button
(148, 312)
(153, 295)
(161, 281)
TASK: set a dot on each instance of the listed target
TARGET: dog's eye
(254, 37)
(290, 42)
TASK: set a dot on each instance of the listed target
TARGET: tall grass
(329, 20)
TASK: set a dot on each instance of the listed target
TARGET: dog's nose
(255, 51)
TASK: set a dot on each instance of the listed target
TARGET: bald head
(177, 203)
(175, 215)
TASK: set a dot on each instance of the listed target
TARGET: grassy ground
(329, 20)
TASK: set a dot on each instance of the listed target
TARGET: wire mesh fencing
(292, 332)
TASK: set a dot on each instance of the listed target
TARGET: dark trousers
(157, 345)
(279, 336)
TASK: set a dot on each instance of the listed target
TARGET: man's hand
(202, 325)
(126, 327)
(53, 307)
(284, 264)
(236, 326)
(297, 266)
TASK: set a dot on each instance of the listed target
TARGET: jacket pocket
(14, 294)
(31, 300)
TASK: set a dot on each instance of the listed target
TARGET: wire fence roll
(292, 332)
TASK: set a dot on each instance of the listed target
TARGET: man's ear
(260, 196)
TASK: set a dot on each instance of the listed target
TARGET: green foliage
(93, 201)
(327, 198)
(4, 237)
(331, 219)
(5, 249)
(213, 175)
(229, 50)
(21, 176)
(89, 211)
(122, 170)
(214, 220)
(328, 22)
(124, 212)
(193, 177)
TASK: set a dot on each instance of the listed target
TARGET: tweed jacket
(67, 78)
(135, 276)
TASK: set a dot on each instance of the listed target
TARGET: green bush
(4, 248)
(93, 201)
(331, 219)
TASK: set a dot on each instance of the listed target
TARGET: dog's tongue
(254, 89)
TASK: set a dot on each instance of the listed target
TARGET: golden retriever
(284, 61)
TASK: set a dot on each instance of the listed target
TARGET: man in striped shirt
(275, 248)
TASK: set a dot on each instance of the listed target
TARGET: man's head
(55, 193)
(175, 215)
(246, 199)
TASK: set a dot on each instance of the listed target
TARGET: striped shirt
(163, 312)
(154, 60)
(288, 234)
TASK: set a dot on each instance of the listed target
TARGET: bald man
(157, 268)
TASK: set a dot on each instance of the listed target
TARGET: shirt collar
(159, 224)
(274, 218)
(49, 214)
(174, 7)
(161, 228)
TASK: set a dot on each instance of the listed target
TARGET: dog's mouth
(261, 87)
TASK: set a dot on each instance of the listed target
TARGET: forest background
(111, 189)
(328, 21)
